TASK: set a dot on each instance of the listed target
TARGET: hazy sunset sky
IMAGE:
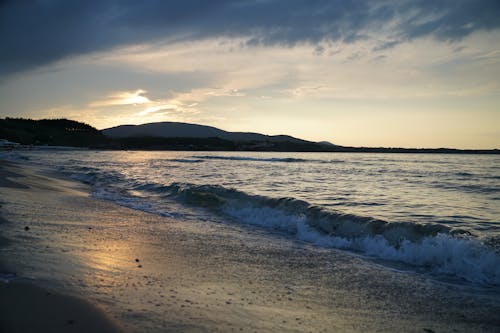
(361, 73)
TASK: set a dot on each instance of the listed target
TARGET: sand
(26, 307)
(160, 274)
(29, 308)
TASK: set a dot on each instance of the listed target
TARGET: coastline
(157, 274)
(27, 307)
(187, 137)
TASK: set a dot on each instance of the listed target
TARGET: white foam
(466, 258)
(463, 257)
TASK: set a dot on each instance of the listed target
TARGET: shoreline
(340, 149)
(27, 307)
(158, 274)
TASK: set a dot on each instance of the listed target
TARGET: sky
(419, 73)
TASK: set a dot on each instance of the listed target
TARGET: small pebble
(26, 228)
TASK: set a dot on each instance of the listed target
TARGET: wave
(255, 159)
(268, 159)
(464, 174)
(92, 176)
(186, 160)
(134, 202)
(437, 247)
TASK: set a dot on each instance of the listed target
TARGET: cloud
(386, 45)
(450, 20)
(150, 107)
(38, 33)
(123, 98)
(157, 108)
(221, 92)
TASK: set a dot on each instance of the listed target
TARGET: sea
(435, 214)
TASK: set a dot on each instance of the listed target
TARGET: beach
(94, 262)
(29, 307)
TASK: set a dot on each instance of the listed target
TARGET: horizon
(362, 74)
(388, 148)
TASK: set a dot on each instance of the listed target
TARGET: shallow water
(439, 213)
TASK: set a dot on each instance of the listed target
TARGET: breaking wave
(438, 248)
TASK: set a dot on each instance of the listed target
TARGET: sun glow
(123, 98)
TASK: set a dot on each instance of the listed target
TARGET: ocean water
(434, 214)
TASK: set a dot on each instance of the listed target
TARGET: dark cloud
(450, 20)
(36, 33)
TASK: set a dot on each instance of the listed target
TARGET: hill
(185, 130)
(52, 132)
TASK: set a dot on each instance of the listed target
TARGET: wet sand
(26, 307)
(158, 274)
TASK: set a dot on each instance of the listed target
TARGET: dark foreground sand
(157, 274)
(28, 308)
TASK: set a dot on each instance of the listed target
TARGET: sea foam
(435, 247)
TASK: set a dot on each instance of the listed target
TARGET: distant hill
(326, 143)
(52, 132)
(185, 130)
(163, 130)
